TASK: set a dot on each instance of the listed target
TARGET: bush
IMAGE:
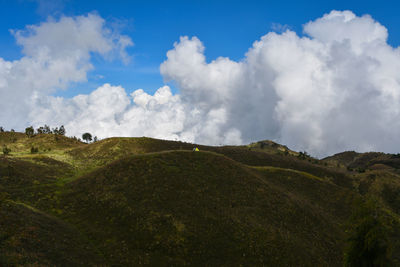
(303, 155)
(6, 150)
(349, 169)
(34, 150)
(361, 170)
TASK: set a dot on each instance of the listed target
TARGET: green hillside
(143, 201)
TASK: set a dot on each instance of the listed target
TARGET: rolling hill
(143, 201)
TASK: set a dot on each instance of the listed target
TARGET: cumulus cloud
(335, 88)
(56, 54)
(111, 112)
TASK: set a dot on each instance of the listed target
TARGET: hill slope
(143, 201)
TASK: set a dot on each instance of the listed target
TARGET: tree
(6, 150)
(1, 129)
(40, 130)
(87, 137)
(303, 155)
(46, 129)
(61, 131)
(95, 139)
(55, 130)
(30, 131)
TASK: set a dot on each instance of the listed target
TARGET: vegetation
(87, 137)
(368, 242)
(29, 131)
(143, 201)
(44, 130)
(6, 150)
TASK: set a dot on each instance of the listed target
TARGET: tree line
(57, 131)
(30, 132)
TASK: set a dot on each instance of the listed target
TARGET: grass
(143, 201)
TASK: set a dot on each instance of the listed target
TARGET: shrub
(34, 150)
(361, 170)
(6, 150)
(349, 168)
(303, 155)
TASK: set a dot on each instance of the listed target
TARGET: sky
(319, 76)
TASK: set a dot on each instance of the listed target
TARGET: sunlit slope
(204, 208)
(20, 143)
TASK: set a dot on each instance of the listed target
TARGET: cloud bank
(335, 88)
(56, 54)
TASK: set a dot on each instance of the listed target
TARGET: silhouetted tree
(40, 130)
(303, 155)
(1, 129)
(87, 137)
(95, 139)
(46, 129)
(30, 131)
(61, 131)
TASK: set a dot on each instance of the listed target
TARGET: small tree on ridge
(30, 131)
(87, 137)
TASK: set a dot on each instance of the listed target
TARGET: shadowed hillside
(143, 201)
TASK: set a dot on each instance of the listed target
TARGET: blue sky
(227, 28)
(336, 90)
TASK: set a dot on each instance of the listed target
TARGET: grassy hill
(143, 201)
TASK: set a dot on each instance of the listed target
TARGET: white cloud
(56, 54)
(109, 111)
(336, 88)
(339, 26)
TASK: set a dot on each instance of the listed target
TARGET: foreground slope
(203, 208)
(143, 201)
